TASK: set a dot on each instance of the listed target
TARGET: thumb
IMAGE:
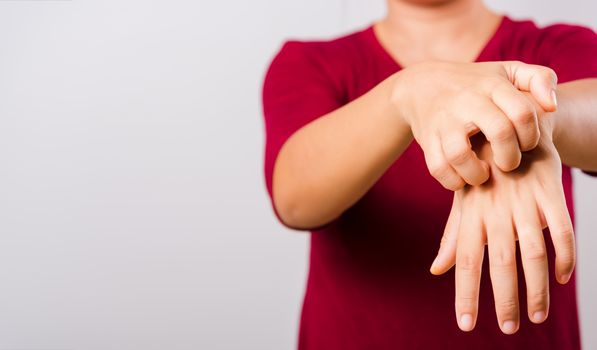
(446, 256)
(540, 81)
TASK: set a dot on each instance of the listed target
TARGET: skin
(468, 99)
(509, 207)
(354, 145)
(531, 198)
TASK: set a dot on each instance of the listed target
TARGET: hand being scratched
(511, 206)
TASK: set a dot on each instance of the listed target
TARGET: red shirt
(369, 285)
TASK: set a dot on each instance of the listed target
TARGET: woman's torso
(369, 285)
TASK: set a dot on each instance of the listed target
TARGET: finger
(521, 112)
(562, 233)
(502, 269)
(469, 259)
(500, 133)
(458, 152)
(439, 168)
(534, 259)
(446, 256)
(540, 81)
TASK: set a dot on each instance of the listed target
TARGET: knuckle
(503, 259)
(523, 114)
(507, 306)
(439, 170)
(469, 264)
(501, 130)
(457, 154)
(565, 232)
(534, 251)
(538, 299)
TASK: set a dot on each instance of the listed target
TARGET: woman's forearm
(575, 124)
(328, 164)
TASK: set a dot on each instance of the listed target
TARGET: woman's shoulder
(328, 60)
(570, 49)
(551, 32)
(334, 52)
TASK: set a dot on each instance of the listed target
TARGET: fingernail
(466, 322)
(538, 316)
(509, 327)
(566, 278)
(554, 98)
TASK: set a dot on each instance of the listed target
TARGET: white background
(133, 211)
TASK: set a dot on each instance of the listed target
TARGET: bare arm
(330, 163)
(327, 165)
(575, 124)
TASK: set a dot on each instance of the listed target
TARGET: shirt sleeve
(297, 89)
(571, 51)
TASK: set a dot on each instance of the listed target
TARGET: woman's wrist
(556, 118)
(550, 124)
(403, 86)
(398, 99)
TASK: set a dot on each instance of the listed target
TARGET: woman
(476, 92)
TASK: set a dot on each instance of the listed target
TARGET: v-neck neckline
(485, 52)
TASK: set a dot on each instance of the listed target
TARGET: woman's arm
(327, 165)
(575, 124)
